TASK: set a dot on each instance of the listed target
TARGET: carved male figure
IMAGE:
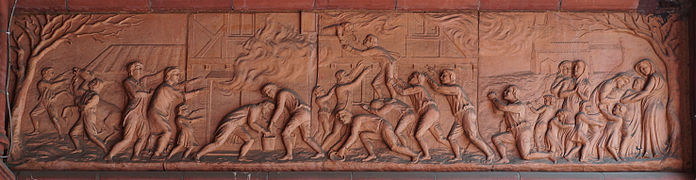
(161, 110)
(186, 141)
(519, 130)
(426, 107)
(546, 113)
(365, 124)
(136, 129)
(238, 123)
(49, 89)
(345, 83)
(299, 117)
(87, 124)
(464, 113)
(407, 116)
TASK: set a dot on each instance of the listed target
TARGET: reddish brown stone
(599, 5)
(176, 5)
(121, 5)
(41, 5)
(519, 4)
(437, 4)
(273, 5)
(356, 4)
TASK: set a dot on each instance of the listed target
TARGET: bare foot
(76, 151)
(416, 158)
(455, 159)
(33, 133)
(108, 158)
(369, 158)
(490, 158)
(318, 155)
(286, 158)
(426, 157)
(243, 159)
(553, 159)
(503, 161)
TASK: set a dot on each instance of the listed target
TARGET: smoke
(276, 51)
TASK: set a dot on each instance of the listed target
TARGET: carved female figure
(632, 128)
(652, 96)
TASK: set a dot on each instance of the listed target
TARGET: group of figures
(146, 117)
(625, 115)
(627, 120)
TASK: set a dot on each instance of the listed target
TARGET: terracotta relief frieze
(350, 91)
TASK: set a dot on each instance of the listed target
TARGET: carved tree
(34, 36)
(661, 32)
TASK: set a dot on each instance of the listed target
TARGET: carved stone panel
(350, 90)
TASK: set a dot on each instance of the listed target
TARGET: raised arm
(442, 89)
(327, 96)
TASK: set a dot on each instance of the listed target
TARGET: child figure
(580, 137)
(556, 131)
(613, 134)
(546, 113)
(184, 122)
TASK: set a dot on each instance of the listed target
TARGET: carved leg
(162, 143)
(38, 109)
(220, 139)
(368, 146)
(401, 128)
(455, 133)
(55, 118)
(499, 141)
(75, 132)
(176, 149)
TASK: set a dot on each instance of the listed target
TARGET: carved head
(562, 114)
(416, 78)
(548, 99)
(173, 75)
(370, 40)
(270, 90)
(135, 69)
(565, 68)
(376, 104)
(645, 67)
(448, 76)
(579, 68)
(345, 116)
(48, 73)
(96, 85)
(510, 93)
(638, 83)
(621, 80)
(619, 109)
